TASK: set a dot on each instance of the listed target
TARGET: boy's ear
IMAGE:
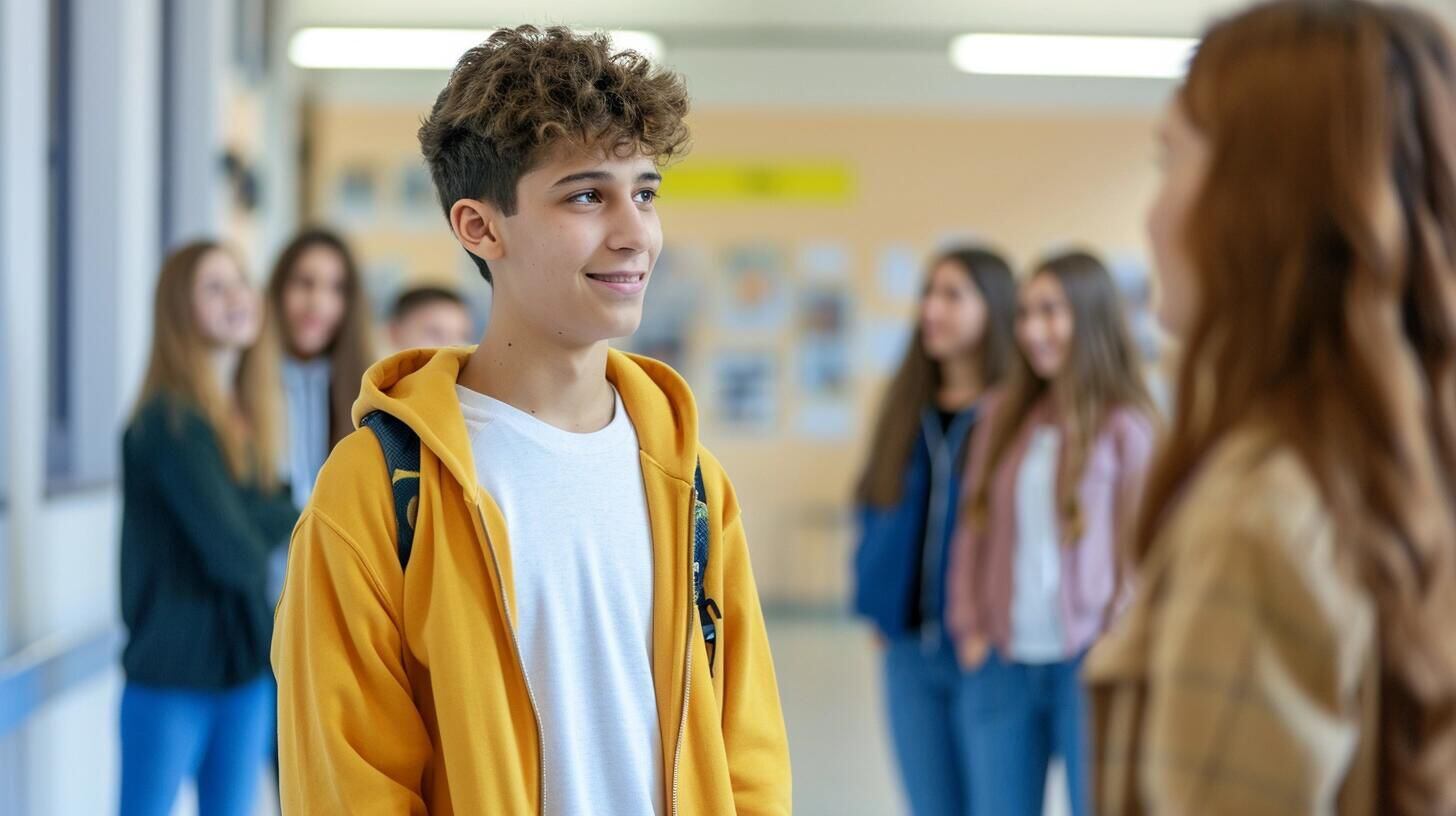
(476, 225)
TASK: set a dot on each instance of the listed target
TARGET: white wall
(71, 745)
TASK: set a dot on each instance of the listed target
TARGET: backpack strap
(401, 447)
(707, 608)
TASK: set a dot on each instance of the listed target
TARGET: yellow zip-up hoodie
(401, 691)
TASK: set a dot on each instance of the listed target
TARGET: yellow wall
(1022, 183)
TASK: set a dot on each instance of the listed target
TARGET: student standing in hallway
(317, 300)
(907, 503)
(1290, 650)
(202, 509)
(549, 642)
(1036, 565)
(320, 321)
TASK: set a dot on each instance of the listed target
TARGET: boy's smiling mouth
(625, 283)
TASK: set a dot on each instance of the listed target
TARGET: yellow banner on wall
(779, 182)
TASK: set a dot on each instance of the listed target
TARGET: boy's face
(576, 256)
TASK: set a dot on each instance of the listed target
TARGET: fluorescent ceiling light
(1045, 55)
(432, 49)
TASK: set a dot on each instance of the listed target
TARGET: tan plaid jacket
(1243, 677)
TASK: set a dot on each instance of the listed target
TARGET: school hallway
(846, 159)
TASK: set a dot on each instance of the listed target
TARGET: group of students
(523, 585)
(246, 393)
(1008, 453)
(1246, 607)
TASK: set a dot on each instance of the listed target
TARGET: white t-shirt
(1036, 611)
(581, 551)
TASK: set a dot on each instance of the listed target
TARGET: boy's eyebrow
(601, 175)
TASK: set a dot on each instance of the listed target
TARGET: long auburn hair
(919, 377)
(180, 369)
(352, 349)
(1323, 245)
(1102, 373)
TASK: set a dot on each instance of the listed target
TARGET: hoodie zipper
(682, 726)
(511, 627)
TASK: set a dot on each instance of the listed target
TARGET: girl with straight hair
(202, 509)
(907, 498)
(1036, 564)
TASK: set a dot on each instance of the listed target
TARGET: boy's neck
(558, 384)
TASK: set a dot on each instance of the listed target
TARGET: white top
(581, 551)
(1037, 634)
(306, 392)
(306, 396)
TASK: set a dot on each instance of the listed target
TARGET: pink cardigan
(981, 575)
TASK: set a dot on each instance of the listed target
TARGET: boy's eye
(646, 196)
(589, 197)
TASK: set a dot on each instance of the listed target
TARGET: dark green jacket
(194, 555)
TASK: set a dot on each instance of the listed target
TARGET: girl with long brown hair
(1035, 567)
(201, 511)
(907, 497)
(322, 333)
(323, 322)
(1290, 649)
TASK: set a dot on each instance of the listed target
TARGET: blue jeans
(218, 737)
(1016, 718)
(924, 696)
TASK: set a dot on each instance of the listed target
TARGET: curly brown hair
(526, 89)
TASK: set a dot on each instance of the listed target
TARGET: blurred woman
(1054, 476)
(1290, 650)
(326, 330)
(907, 499)
(322, 326)
(202, 509)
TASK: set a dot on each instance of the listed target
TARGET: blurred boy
(430, 317)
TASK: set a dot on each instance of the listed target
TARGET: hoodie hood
(418, 388)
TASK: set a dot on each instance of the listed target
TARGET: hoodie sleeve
(350, 737)
(754, 735)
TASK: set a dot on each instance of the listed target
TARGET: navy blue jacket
(900, 562)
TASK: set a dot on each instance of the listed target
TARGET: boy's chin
(619, 328)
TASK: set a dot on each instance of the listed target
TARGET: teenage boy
(429, 317)
(553, 610)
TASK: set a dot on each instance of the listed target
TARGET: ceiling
(826, 53)
(1167, 17)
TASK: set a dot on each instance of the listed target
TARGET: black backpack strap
(707, 608)
(401, 447)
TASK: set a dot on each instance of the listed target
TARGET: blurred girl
(1290, 650)
(201, 511)
(907, 501)
(324, 323)
(1055, 472)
